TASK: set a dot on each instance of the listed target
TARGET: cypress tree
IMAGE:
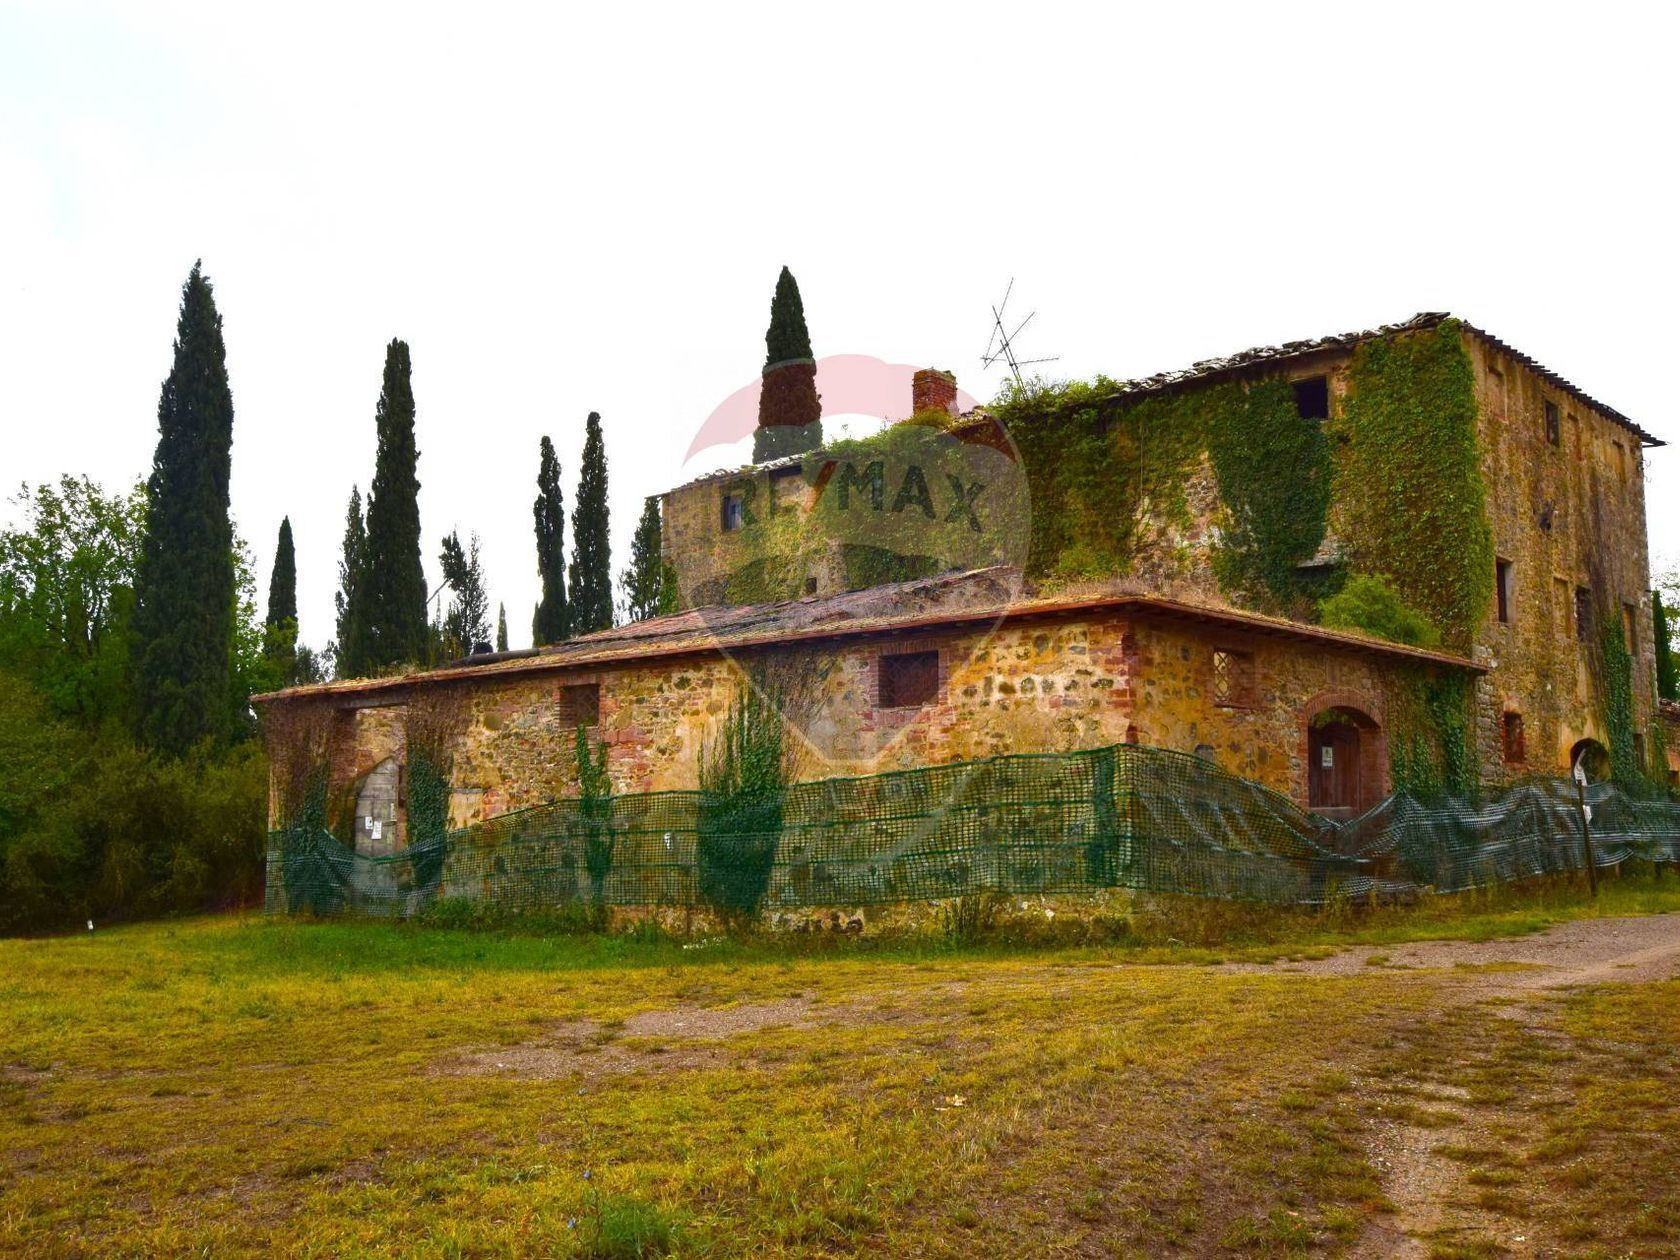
(1668, 685)
(591, 576)
(549, 624)
(345, 602)
(466, 624)
(501, 628)
(789, 408)
(644, 581)
(280, 641)
(390, 626)
(185, 589)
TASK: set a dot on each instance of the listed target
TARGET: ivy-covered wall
(1435, 459)
(1409, 497)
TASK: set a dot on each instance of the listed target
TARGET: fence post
(1586, 831)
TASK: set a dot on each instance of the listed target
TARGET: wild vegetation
(231, 1085)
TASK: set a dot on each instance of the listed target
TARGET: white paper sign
(1327, 756)
(1580, 774)
(378, 827)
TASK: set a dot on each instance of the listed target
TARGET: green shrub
(742, 776)
(1370, 603)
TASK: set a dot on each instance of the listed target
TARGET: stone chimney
(933, 390)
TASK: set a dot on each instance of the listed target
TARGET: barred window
(1233, 678)
(908, 678)
(579, 704)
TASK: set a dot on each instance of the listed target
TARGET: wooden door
(1333, 769)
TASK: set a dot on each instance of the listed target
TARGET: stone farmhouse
(1159, 576)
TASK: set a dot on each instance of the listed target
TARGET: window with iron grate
(1233, 678)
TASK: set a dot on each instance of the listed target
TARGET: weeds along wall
(1121, 817)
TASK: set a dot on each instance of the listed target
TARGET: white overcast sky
(566, 209)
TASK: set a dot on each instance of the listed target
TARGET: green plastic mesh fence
(1146, 819)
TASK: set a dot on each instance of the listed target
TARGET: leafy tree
(67, 592)
(466, 624)
(346, 601)
(184, 590)
(644, 582)
(789, 408)
(390, 626)
(281, 625)
(1371, 604)
(501, 628)
(591, 576)
(549, 625)
(1668, 685)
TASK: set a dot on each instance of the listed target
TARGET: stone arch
(1344, 753)
(1594, 756)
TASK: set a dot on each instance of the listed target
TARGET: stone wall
(1051, 683)
(1564, 515)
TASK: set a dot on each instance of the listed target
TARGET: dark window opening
(579, 705)
(1583, 614)
(1233, 679)
(783, 485)
(1312, 397)
(1502, 589)
(1554, 424)
(732, 511)
(1630, 629)
(810, 586)
(908, 678)
(1511, 735)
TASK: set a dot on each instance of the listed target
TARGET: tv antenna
(1001, 344)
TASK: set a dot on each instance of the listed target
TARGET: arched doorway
(1591, 756)
(1344, 774)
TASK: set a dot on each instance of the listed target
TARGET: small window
(1630, 629)
(1502, 589)
(1233, 679)
(1583, 614)
(1554, 424)
(579, 705)
(1312, 398)
(908, 678)
(1511, 738)
(784, 486)
(734, 511)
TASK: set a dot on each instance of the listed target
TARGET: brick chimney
(933, 390)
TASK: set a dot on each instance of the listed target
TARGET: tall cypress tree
(390, 625)
(280, 641)
(644, 581)
(549, 624)
(1668, 684)
(466, 625)
(184, 590)
(591, 576)
(789, 408)
(346, 601)
(501, 628)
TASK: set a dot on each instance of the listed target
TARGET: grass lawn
(230, 1085)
